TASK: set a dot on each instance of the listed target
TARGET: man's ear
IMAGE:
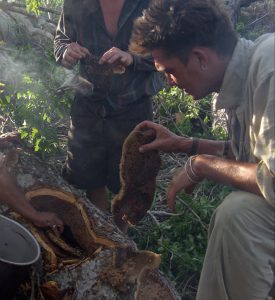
(200, 54)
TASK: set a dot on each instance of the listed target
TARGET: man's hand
(73, 54)
(117, 56)
(47, 219)
(181, 181)
(165, 140)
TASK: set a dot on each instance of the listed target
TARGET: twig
(170, 260)
(197, 217)
(259, 19)
(186, 283)
(153, 217)
(33, 280)
(163, 213)
(8, 49)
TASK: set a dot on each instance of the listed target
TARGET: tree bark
(92, 259)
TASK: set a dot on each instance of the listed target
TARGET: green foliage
(248, 34)
(33, 6)
(33, 105)
(189, 117)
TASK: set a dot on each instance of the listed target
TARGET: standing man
(101, 122)
(195, 45)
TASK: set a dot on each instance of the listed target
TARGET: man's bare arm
(14, 197)
(241, 175)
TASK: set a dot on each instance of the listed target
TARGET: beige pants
(241, 250)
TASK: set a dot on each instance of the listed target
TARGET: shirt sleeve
(65, 33)
(265, 137)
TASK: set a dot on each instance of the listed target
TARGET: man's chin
(194, 95)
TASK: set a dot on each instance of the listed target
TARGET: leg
(240, 255)
(86, 160)
(99, 198)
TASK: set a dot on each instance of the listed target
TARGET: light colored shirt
(248, 94)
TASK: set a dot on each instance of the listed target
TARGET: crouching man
(194, 44)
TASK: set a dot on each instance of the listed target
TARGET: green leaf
(34, 132)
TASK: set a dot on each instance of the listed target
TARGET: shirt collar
(231, 91)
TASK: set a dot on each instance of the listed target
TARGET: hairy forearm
(204, 146)
(238, 174)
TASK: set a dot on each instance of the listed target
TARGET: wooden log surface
(104, 263)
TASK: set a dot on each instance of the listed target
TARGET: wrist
(186, 145)
(194, 146)
(192, 169)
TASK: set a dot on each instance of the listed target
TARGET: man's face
(189, 77)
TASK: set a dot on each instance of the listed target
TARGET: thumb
(147, 147)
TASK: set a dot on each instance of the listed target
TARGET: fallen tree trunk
(92, 259)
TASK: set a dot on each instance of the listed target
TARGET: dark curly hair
(177, 26)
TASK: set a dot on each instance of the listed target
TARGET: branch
(259, 19)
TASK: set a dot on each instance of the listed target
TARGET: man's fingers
(69, 60)
(149, 132)
(175, 186)
(76, 49)
(151, 146)
(113, 58)
(110, 57)
(145, 125)
(73, 54)
(105, 57)
(58, 229)
(171, 198)
(116, 55)
(85, 51)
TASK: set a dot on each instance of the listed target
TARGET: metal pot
(18, 251)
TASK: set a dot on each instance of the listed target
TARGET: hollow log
(92, 258)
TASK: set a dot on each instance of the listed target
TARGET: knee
(237, 208)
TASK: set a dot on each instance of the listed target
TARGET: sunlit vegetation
(32, 106)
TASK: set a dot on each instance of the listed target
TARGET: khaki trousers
(240, 255)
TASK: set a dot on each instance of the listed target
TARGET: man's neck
(221, 69)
